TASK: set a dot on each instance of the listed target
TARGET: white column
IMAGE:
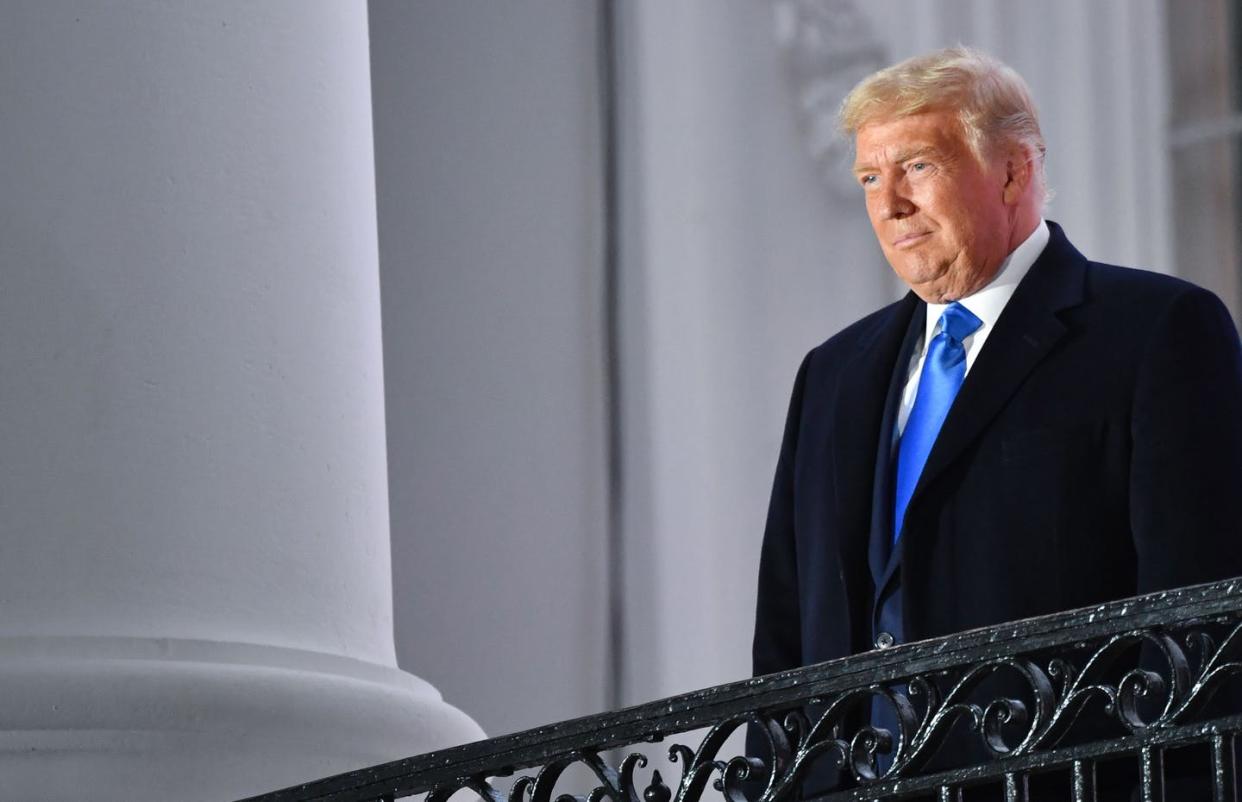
(195, 588)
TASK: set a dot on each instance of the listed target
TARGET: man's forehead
(888, 140)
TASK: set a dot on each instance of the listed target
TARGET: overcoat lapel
(1026, 332)
(884, 555)
(856, 431)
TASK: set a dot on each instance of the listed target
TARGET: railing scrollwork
(1054, 693)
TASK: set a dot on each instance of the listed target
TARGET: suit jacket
(1093, 452)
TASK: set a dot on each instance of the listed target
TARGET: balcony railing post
(1015, 788)
(1151, 765)
(1224, 768)
(1082, 778)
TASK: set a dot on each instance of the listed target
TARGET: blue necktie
(943, 371)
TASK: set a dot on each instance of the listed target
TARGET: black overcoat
(1094, 452)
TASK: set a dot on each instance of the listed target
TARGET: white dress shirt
(986, 304)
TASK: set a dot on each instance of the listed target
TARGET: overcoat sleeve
(1186, 431)
(778, 645)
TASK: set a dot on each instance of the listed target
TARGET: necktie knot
(958, 322)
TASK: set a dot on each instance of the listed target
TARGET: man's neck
(1025, 221)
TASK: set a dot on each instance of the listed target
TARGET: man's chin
(924, 280)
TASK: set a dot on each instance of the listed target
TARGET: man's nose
(895, 201)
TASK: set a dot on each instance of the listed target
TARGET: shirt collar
(988, 303)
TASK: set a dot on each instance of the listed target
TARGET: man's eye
(919, 167)
(869, 180)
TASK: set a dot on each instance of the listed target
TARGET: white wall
(736, 260)
(487, 162)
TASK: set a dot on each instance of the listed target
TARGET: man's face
(939, 214)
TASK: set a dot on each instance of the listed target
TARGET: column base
(136, 719)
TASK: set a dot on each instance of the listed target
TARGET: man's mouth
(910, 240)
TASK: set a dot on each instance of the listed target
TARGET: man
(1025, 432)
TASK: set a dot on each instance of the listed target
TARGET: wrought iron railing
(1130, 699)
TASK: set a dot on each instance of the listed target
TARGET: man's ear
(1019, 172)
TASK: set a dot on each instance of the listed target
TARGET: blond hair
(991, 100)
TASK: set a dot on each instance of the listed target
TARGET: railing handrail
(651, 721)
